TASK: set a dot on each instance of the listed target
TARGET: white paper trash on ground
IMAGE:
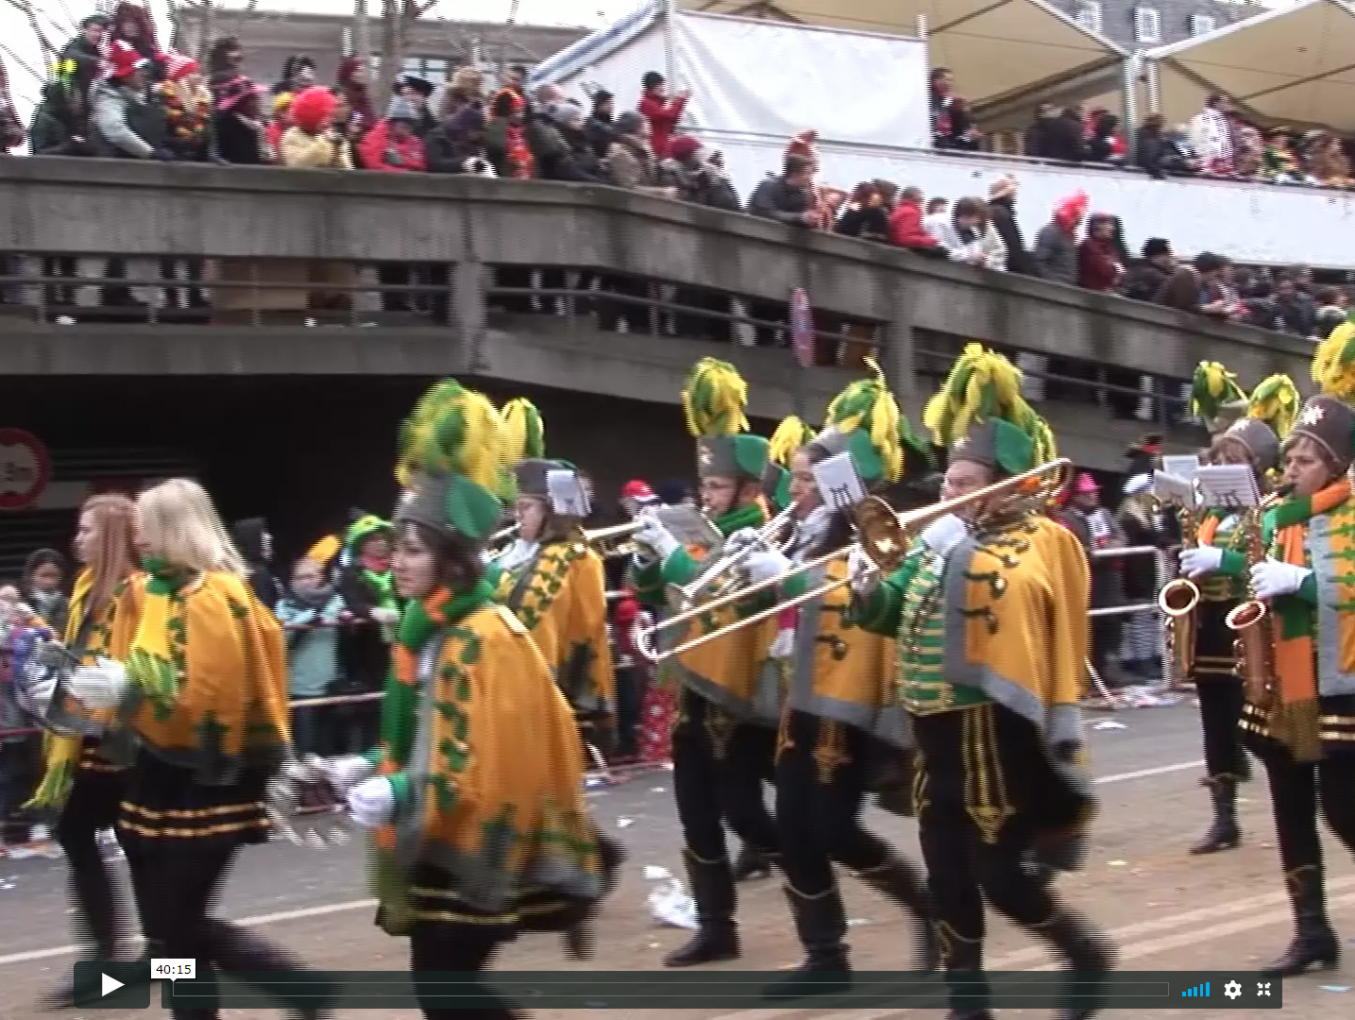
(669, 904)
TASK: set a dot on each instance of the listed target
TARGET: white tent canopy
(997, 49)
(1293, 66)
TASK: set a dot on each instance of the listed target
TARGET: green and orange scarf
(1295, 719)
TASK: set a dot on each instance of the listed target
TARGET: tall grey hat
(530, 476)
(1330, 423)
(1259, 439)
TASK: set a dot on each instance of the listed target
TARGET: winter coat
(1098, 268)
(124, 124)
(663, 116)
(312, 637)
(1004, 222)
(633, 166)
(985, 242)
(378, 151)
(774, 199)
(905, 227)
(1055, 254)
(306, 151)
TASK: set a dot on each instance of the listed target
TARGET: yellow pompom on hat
(1328, 418)
(790, 436)
(715, 402)
(865, 420)
(1269, 415)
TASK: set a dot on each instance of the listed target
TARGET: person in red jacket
(905, 222)
(392, 145)
(1098, 262)
(662, 113)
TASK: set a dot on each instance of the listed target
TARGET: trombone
(723, 575)
(883, 535)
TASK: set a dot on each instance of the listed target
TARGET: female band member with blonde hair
(203, 687)
(80, 784)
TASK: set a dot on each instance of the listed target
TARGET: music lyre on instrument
(724, 574)
(883, 535)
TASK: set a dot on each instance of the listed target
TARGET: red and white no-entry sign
(25, 469)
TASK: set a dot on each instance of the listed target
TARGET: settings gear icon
(1232, 989)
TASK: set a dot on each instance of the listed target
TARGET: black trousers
(1296, 790)
(92, 806)
(973, 794)
(453, 948)
(1221, 700)
(719, 764)
(820, 786)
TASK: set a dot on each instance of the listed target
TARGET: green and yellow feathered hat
(715, 400)
(522, 447)
(980, 415)
(1328, 419)
(1269, 416)
(450, 462)
(1215, 396)
(865, 421)
(789, 437)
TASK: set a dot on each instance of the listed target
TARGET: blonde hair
(180, 525)
(113, 557)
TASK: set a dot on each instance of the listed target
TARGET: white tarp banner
(774, 79)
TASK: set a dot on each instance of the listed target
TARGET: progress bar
(632, 990)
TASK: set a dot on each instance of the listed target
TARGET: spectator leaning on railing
(968, 235)
(126, 121)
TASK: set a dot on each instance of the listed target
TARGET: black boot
(716, 937)
(905, 885)
(750, 864)
(821, 924)
(1243, 764)
(241, 951)
(1315, 943)
(1090, 956)
(1224, 833)
(967, 988)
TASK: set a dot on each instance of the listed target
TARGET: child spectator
(310, 613)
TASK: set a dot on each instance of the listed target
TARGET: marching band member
(1215, 562)
(559, 591)
(723, 746)
(837, 710)
(203, 686)
(991, 620)
(1301, 724)
(481, 829)
(81, 784)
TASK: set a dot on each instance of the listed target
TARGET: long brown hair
(113, 556)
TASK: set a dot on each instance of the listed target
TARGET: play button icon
(101, 984)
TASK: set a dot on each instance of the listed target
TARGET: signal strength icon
(1197, 991)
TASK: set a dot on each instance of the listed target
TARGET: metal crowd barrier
(1162, 574)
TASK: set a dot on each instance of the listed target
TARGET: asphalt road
(1165, 909)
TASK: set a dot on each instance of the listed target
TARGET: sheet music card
(1174, 489)
(839, 485)
(689, 526)
(1228, 486)
(567, 496)
(1185, 466)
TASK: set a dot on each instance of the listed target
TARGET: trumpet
(501, 541)
(611, 542)
(884, 536)
(722, 575)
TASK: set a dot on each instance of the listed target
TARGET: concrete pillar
(469, 281)
(897, 357)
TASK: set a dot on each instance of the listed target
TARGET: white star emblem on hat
(1311, 415)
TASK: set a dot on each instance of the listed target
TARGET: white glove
(1201, 560)
(1271, 578)
(99, 686)
(657, 539)
(372, 802)
(739, 540)
(346, 771)
(944, 534)
(864, 574)
(784, 645)
(764, 565)
(382, 614)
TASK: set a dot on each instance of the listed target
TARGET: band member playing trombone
(1299, 659)
(990, 616)
(559, 592)
(1213, 561)
(725, 736)
(841, 701)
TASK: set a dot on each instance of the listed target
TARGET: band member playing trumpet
(725, 737)
(840, 702)
(80, 784)
(990, 614)
(480, 826)
(1213, 559)
(559, 591)
(1299, 716)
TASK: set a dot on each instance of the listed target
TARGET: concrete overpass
(245, 231)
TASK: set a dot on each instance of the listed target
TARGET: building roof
(269, 37)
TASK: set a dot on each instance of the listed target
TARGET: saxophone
(1178, 601)
(1251, 621)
